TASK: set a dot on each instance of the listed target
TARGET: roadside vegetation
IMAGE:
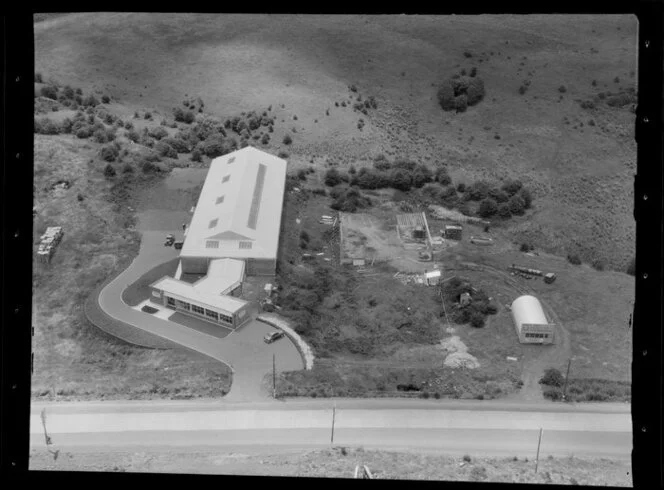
(584, 390)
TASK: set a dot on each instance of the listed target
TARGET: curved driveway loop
(244, 350)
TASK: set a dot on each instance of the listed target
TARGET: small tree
(442, 177)
(39, 78)
(49, 92)
(517, 205)
(287, 139)
(105, 99)
(109, 153)
(461, 187)
(109, 171)
(332, 177)
(488, 207)
(552, 377)
(477, 319)
(401, 179)
(196, 156)
(574, 259)
(504, 211)
(526, 196)
(511, 187)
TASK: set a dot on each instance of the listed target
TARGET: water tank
(528, 310)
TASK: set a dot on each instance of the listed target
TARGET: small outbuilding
(453, 232)
(532, 326)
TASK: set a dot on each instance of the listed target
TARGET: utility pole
(566, 378)
(274, 377)
(538, 449)
(334, 410)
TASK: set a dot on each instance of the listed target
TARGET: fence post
(334, 409)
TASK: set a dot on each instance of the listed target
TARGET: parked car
(273, 336)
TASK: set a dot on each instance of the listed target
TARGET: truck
(549, 278)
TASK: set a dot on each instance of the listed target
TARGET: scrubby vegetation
(583, 390)
(349, 200)
(461, 91)
(474, 313)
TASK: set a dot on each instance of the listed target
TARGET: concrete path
(243, 350)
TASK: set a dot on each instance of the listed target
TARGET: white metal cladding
(528, 310)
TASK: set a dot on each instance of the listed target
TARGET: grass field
(580, 173)
(73, 358)
(340, 462)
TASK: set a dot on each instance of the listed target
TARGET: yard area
(99, 240)
(374, 336)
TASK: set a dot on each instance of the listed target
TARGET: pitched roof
(188, 292)
(252, 184)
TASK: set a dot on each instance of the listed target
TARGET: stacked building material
(49, 240)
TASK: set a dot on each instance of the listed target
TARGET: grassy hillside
(580, 172)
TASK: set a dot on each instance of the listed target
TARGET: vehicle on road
(273, 336)
(170, 239)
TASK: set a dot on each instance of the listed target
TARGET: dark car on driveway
(273, 336)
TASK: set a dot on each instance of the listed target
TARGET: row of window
(244, 245)
(537, 335)
(199, 310)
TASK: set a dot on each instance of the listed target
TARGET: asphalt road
(481, 429)
(243, 350)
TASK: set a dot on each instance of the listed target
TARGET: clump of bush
(488, 208)
(158, 132)
(526, 247)
(165, 150)
(333, 177)
(287, 139)
(475, 313)
(109, 171)
(181, 115)
(178, 144)
(110, 153)
(574, 259)
(552, 377)
(459, 92)
(196, 155)
(46, 126)
(562, 89)
(350, 201)
(50, 92)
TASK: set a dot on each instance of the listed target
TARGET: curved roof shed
(528, 310)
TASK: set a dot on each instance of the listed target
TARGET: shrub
(562, 89)
(178, 144)
(319, 191)
(83, 131)
(573, 259)
(522, 89)
(421, 176)
(165, 150)
(196, 156)
(283, 154)
(109, 153)
(488, 207)
(39, 78)
(352, 170)
(49, 92)
(105, 99)
(381, 163)
(149, 167)
(467, 458)
(511, 187)
(477, 320)
(287, 139)
(400, 179)
(461, 103)
(598, 264)
(371, 179)
(526, 196)
(526, 247)
(332, 177)
(473, 71)
(446, 96)
(552, 377)
(265, 139)
(133, 135)
(461, 187)
(90, 101)
(46, 126)
(127, 168)
(158, 133)
(517, 205)
(66, 125)
(498, 195)
(478, 191)
(302, 174)
(109, 171)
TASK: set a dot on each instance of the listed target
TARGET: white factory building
(530, 322)
(234, 232)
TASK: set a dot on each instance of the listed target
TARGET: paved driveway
(243, 350)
